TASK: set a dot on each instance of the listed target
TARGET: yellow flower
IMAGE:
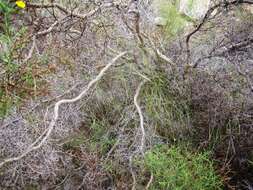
(21, 4)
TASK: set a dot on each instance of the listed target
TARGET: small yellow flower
(21, 4)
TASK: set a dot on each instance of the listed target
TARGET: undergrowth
(19, 79)
(100, 135)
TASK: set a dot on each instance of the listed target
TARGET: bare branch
(44, 32)
(164, 57)
(150, 181)
(63, 9)
(205, 19)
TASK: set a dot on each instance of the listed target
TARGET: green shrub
(176, 168)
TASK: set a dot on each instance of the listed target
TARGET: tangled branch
(205, 20)
(43, 138)
(62, 9)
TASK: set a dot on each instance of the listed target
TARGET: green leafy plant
(6, 10)
(177, 168)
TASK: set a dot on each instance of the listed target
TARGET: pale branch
(159, 54)
(150, 181)
(47, 31)
(29, 55)
(140, 115)
(44, 137)
(164, 57)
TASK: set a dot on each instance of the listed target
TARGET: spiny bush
(178, 168)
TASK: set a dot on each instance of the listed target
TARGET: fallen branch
(47, 31)
(43, 138)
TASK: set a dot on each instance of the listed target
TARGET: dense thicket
(126, 94)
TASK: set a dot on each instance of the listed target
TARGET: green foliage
(166, 105)
(97, 140)
(11, 46)
(6, 7)
(179, 169)
(5, 103)
(6, 10)
(174, 20)
(12, 42)
(100, 140)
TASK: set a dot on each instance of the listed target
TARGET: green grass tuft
(166, 105)
(174, 20)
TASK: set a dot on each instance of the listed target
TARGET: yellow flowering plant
(21, 4)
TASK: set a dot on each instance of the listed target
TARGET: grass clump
(177, 168)
(167, 105)
(174, 21)
(100, 140)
